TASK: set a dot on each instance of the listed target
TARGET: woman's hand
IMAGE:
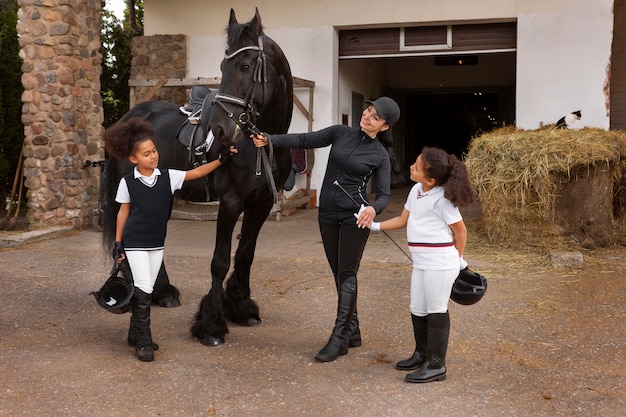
(260, 140)
(365, 216)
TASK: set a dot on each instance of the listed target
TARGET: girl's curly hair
(448, 171)
(121, 139)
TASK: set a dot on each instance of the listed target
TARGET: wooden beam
(206, 81)
(301, 82)
(178, 82)
(303, 109)
(153, 90)
(213, 82)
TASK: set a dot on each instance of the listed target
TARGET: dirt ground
(542, 342)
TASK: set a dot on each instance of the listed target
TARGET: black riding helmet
(468, 288)
(116, 294)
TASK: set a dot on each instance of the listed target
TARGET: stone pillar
(62, 109)
(156, 57)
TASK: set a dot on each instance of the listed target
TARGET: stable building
(457, 68)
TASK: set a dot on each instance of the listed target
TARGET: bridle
(245, 120)
(248, 115)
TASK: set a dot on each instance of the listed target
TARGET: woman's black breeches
(343, 244)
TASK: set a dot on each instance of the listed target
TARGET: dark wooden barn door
(618, 68)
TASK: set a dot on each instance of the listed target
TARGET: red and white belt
(430, 245)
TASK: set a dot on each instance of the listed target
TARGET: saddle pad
(298, 159)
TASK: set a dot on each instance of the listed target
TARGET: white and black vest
(150, 210)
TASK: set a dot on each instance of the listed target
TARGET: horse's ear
(233, 18)
(256, 21)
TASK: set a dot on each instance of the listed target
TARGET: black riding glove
(225, 156)
(118, 250)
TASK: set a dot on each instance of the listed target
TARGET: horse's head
(256, 82)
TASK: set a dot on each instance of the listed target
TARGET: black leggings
(344, 244)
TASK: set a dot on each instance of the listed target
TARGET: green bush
(11, 128)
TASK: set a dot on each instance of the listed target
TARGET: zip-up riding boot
(354, 332)
(338, 343)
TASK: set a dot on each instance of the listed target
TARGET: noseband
(247, 117)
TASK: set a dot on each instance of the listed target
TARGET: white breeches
(145, 265)
(430, 290)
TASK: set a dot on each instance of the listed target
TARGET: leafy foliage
(115, 40)
(11, 128)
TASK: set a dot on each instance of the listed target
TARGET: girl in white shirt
(436, 235)
(145, 198)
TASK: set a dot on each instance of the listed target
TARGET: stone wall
(62, 109)
(156, 57)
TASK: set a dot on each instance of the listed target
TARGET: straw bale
(526, 179)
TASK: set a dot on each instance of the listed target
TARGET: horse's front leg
(164, 293)
(238, 306)
(210, 325)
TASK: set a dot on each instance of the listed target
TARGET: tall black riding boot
(354, 332)
(144, 347)
(338, 343)
(420, 331)
(438, 335)
(132, 334)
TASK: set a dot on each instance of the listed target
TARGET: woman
(355, 155)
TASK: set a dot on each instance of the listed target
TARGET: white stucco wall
(562, 52)
(561, 64)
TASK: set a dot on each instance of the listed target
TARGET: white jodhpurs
(430, 290)
(145, 265)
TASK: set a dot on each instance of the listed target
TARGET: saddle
(194, 132)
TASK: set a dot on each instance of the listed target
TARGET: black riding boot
(438, 335)
(420, 331)
(132, 334)
(354, 332)
(338, 343)
(144, 347)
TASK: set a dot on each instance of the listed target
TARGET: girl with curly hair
(145, 197)
(436, 235)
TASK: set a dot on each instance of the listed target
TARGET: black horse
(256, 94)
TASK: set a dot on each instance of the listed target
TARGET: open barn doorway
(449, 120)
(452, 80)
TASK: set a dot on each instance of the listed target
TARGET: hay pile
(519, 174)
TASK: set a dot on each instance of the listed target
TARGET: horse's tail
(109, 206)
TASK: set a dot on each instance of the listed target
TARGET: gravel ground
(542, 342)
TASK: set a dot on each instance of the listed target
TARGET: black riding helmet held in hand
(117, 292)
(469, 287)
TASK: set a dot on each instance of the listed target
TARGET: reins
(246, 118)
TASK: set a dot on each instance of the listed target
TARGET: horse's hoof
(168, 302)
(212, 341)
(250, 322)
